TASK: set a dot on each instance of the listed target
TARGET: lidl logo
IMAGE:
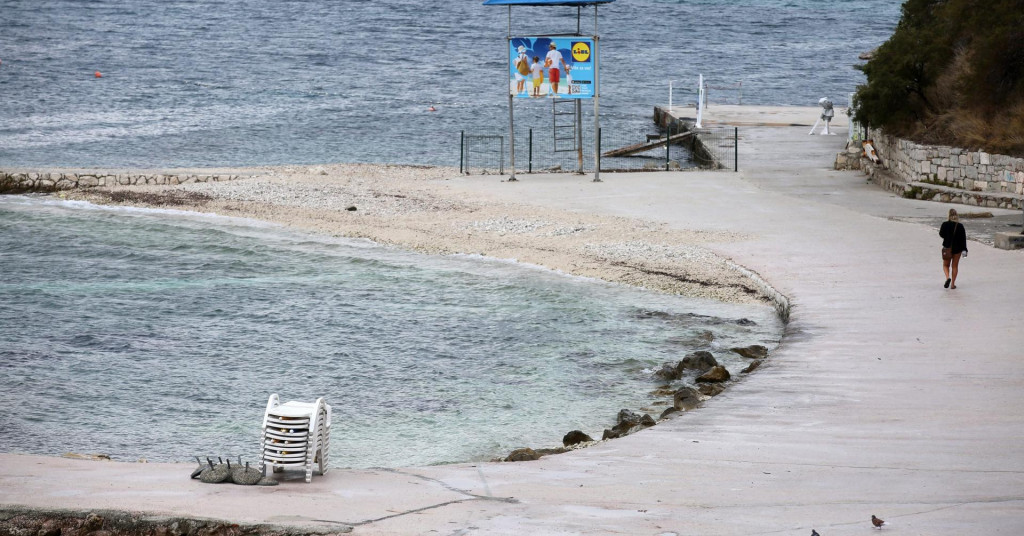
(581, 51)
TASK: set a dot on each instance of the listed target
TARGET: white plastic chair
(296, 434)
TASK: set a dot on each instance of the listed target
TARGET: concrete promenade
(890, 395)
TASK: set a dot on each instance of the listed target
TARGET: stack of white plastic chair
(296, 434)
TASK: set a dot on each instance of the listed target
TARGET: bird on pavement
(814, 533)
(877, 522)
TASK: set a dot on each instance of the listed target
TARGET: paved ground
(890, 395)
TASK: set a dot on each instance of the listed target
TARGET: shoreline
(409, 207)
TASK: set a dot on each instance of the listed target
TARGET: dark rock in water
(685, 399)
(715, 375)
(627, 417)
(752, 366)
(754, 351)
(667, 412)
(575, 437)
(705, 337)
(711, 389)
(664, 390)
(628, 422)
(701, 360)
(668, 371)
(745, 322)
(523, 455)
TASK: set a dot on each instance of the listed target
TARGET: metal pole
(668, 136)
(578, 133)
(735, 149)
(511, 121)
(529, 168)
(462, 149)
(597, 115)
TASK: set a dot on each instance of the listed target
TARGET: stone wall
(16, 182)
(973, 171)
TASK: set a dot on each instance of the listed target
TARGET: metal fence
(482, 154)
(704, 149)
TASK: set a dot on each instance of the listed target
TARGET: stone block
(984, 159)
(1009, 240)
(971, 172)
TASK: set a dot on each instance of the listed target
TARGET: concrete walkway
(890, 395)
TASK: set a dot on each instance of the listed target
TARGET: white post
(700, 101)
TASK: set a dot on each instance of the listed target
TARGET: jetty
(647, 145)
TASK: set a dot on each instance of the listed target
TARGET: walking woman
(954, 244)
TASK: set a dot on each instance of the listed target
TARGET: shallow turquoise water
(158, 334)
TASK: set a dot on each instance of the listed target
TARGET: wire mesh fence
(622, 148)
(482, 154)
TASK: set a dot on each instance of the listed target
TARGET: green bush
(952, 73)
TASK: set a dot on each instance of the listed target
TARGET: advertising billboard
(555, 67)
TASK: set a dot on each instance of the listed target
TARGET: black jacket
(953, 236)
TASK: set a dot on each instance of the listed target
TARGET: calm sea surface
(158, 334)
(245, 82)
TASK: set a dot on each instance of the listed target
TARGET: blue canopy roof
(545, 2)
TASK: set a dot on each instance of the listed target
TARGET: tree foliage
(952, 73)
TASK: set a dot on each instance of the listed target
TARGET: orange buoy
(431, 109)
(98, 74)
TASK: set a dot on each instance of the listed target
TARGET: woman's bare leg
(954, 264)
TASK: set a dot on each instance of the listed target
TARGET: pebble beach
(413, 208)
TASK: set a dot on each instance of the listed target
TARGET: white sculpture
(826, 115)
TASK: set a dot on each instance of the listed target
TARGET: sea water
(248, 82)
(161, 334)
